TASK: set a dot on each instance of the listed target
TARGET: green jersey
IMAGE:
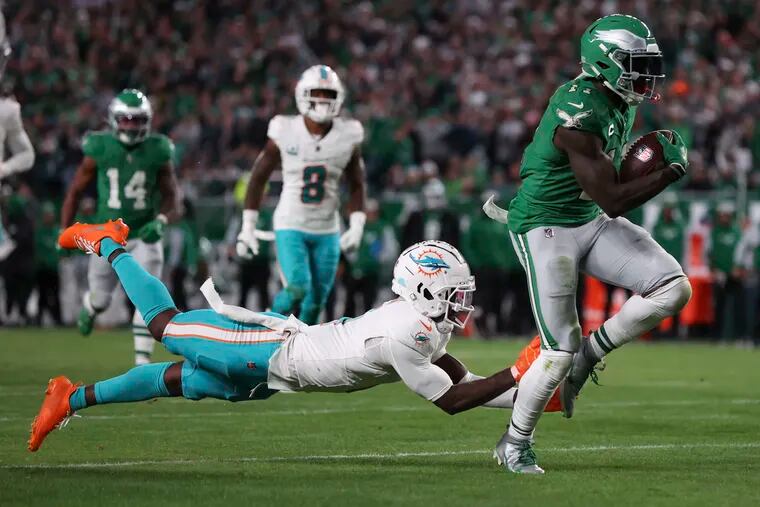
(127, 176)
(723, 239)
(550, 194)
(670, 235)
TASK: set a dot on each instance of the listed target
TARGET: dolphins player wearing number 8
(314, 149)
(135, 180)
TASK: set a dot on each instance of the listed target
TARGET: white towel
(244, 315)
(494, 212)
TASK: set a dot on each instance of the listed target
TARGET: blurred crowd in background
(449, 93)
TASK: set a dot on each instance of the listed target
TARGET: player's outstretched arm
(82, 178)
(247, 244)
(473, 394)
(597, 176)
(357, 193)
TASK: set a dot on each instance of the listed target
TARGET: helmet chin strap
(628, 99)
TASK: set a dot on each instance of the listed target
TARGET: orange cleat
(526, 357)
(555, 402)
(54, 412)
(87, 237)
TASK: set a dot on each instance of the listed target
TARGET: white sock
(144, 344)
(536, 388)
(639, 315)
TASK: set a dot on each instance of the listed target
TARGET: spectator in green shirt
(46, 265)
(724, 237)
(183, 246)
(669, 230)
(489, 252)
(364, 272)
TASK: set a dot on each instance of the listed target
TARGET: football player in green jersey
(135, 180)
(566, 219)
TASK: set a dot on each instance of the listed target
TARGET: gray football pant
(612, 250)
(102, 280)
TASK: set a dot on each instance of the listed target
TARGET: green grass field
(671, 425)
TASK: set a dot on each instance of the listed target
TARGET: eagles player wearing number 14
(315, 149)
(135, 181)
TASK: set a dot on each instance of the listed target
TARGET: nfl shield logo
(549, 232)
(644, 154)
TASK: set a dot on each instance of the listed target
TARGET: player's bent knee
(672, 296)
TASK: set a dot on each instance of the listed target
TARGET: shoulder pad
(164, 146)
(353, 130)
(92, 143)
(277, 126)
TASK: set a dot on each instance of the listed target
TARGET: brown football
(643, 156)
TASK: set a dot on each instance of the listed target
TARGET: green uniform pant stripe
(548, 340)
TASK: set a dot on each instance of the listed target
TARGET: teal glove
(153, 230)
(674, 153)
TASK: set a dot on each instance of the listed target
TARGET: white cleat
(518, 458)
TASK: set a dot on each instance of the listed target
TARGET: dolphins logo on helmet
(430, 262)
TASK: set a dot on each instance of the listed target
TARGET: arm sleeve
(22, 152)
(417, 372)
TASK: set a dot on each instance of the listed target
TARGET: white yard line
(375, 408)
(376, 456)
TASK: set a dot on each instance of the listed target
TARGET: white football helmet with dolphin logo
(321, 109)
(434, 277)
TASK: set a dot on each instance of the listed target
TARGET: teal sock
(107, 247)
(140, 383)
(145, 291)
(77, 400)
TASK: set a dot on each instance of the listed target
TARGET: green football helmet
(620, 50)
(130, 115)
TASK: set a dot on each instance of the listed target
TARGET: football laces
(87, 246)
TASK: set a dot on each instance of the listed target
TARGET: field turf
(671, 425)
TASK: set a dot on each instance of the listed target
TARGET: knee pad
(672, 296)
(96, 302)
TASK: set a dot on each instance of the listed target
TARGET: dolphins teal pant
(223, 358)
(308, 263)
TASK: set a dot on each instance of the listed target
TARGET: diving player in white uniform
(13, 135)
(314, 149)
(235, 354)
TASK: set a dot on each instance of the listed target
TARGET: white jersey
(311, 172)
(393, 342)
(13, 135)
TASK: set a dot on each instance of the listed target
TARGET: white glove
(247, 245)
(353, 236)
